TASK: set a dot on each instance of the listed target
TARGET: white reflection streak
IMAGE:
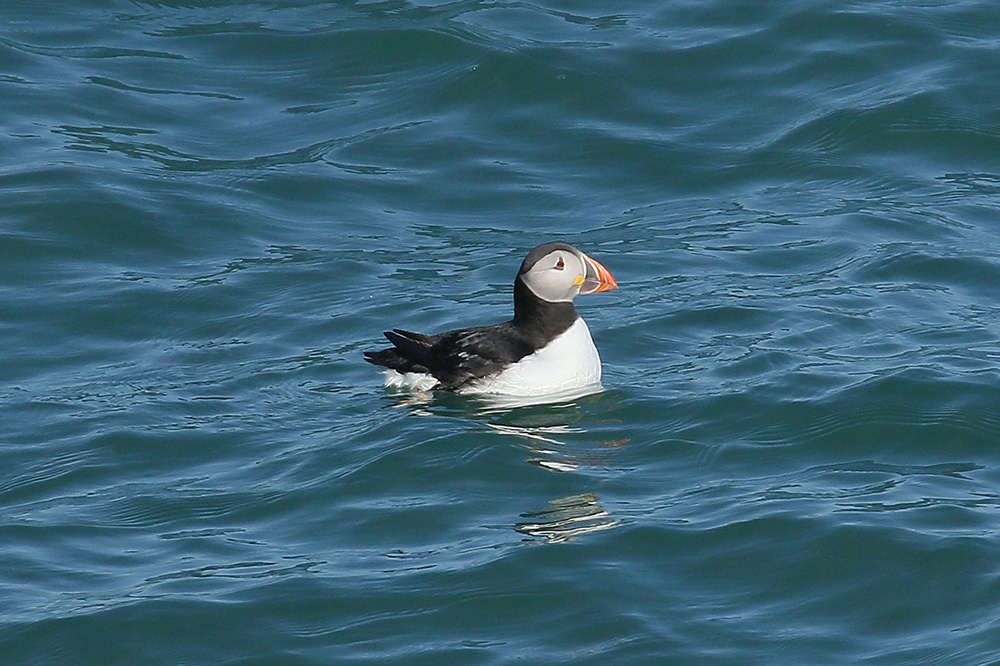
(568, 518)
(537, 433)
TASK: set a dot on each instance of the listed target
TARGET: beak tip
(602, 277)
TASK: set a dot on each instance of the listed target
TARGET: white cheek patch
(548, 294)
(554, 285)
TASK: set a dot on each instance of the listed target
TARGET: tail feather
(409, 346)
(409, 352)
(416, 337)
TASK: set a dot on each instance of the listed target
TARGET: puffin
(544, 349)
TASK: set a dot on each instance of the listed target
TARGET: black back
(458, 357)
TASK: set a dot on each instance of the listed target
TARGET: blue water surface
(210, 209)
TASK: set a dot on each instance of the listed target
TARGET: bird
(544, 349)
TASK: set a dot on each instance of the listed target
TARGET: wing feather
(454, 358)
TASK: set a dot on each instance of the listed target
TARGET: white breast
(568, 363)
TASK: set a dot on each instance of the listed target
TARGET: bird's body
(545, 348)
(568, 362)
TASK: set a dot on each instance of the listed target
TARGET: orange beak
(598, 278)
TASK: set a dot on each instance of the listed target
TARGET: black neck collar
(537, 320)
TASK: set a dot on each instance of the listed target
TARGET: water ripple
(211, 209)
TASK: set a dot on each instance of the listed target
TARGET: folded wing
(454, 358)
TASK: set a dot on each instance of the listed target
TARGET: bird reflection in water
(567, 518)
(556, 445)
(550, 432)
(555, 434)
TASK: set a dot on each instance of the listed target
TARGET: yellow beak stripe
(579, 280)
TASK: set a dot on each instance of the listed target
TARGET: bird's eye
(560, 265)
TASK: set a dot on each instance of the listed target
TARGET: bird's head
(558, 272)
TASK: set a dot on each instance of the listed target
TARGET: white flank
(564, 366)
(413, 381)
